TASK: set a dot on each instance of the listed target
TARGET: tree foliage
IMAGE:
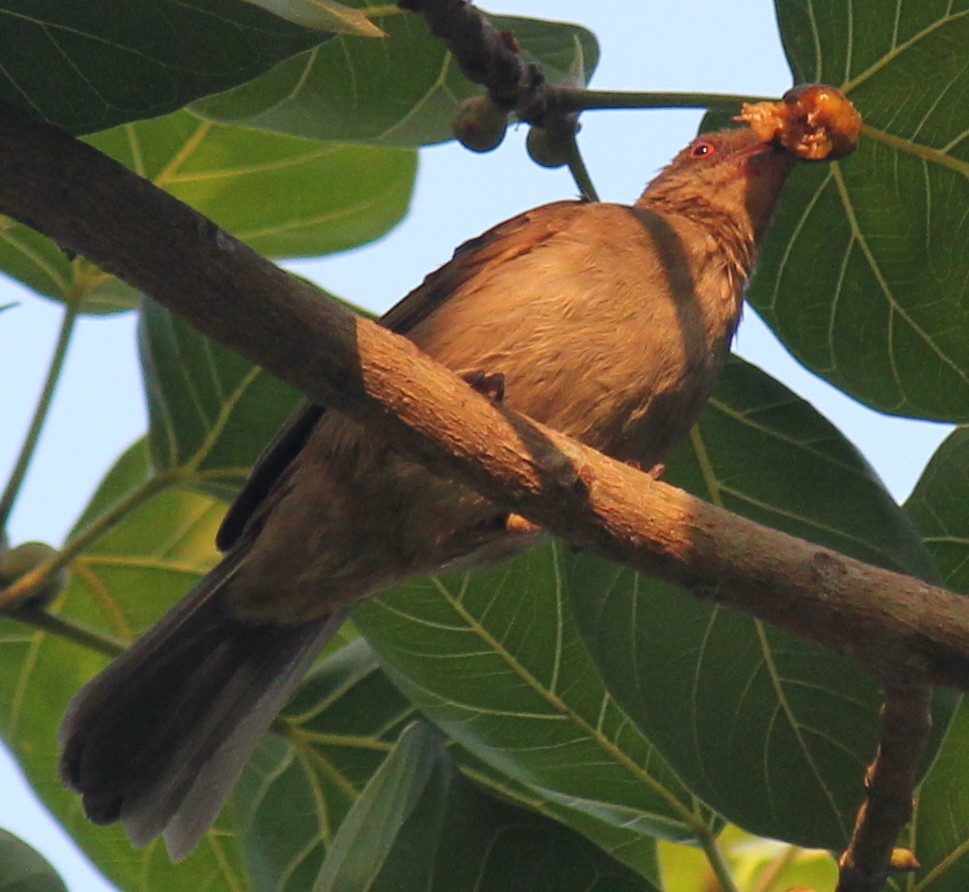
(580, 711)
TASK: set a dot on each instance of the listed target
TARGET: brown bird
(607, 322)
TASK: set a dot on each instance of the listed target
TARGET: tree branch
(889, 784)
(900, 629)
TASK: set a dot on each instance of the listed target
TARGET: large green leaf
(22, 869)
(863, 276)
(941, 823)
(284, 196)
(494, 659)
(330, 739)
(938, 507)
(940, 828)
(397, 92)
(419, 825)
(210, 411)
(92, 65)
(771, 731)
(144, 561)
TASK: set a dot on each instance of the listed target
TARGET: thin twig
(890, 783)
(69, 630)
(715, 857)
(773, 871)
(12, 489)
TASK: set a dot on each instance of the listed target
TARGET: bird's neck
(731, 228)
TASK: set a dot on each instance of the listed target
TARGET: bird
(606, 322)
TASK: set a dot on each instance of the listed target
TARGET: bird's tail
(160, 737)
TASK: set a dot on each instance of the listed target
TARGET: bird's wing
(499, 245)
(275, 458)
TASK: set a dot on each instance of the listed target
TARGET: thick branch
(900, 629)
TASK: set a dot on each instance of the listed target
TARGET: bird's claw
(489, 385)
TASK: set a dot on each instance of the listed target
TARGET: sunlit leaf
(322, 15)
(755, 863)
(863, 276)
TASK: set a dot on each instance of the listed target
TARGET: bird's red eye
(701, 148)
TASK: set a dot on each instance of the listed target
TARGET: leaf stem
(580, 173)
(718, 863)
(575, 100)
(774, 870)
(29, 582)
(19, 472)
(69, 630)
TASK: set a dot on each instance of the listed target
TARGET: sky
(695, 45)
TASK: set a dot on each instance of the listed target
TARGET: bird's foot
(489, 385)
(655, 471)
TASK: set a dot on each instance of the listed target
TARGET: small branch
(490, 57)
(70, 631)
(890, 784)
(900, 629)
(484, 54)
(12, 489)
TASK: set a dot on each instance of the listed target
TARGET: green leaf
(863, 275)
(144, 561)
(755, 863)
(285, 197)
(941, 821)
(22, 869)
(419, 825)
(397, 92)
(494, 659)
(771, 731)
(322, 15)
(93, 65)
(210, 411)
(628, 843)
(938, 507)
(330, 739)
